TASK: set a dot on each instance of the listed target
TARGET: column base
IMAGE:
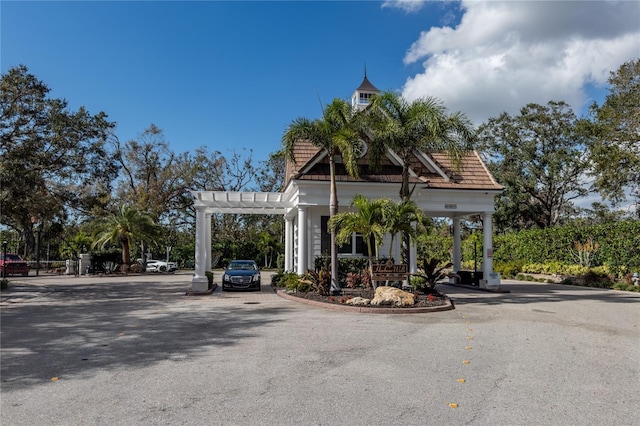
(199, 284)
(491, 283)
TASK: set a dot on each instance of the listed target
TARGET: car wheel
(162, 268)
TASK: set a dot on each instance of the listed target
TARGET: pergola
(208, 203)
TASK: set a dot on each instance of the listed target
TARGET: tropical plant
(337, 133)
(368, 220)
(432, 272)
(319, 281)
(72, 247)
(400, 217)
(408, 127)
(123, 227)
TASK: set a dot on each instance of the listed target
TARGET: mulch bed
(422, 300)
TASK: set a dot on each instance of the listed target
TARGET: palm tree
(399, 217)
(122, 227)
(407, 127)
(338, 133)
(368, 220)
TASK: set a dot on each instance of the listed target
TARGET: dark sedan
(241, 275)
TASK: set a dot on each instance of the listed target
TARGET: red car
(13, 265)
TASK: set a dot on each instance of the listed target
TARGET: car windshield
(13, 257)
(241, 265)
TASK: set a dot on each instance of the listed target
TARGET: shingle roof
(472, 173)
(367, 86)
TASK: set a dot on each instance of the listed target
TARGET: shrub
(320, 281)
(617, 245)
(353, 280)
(345, 265)
(626, 287)
(419, 283)
(209, 275)
(287, 280)
(508, 269)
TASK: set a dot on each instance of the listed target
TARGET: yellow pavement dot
(468, 322)
(468, 348)
(461, 380)
(466, 362)
(121, 334)
(469, 338)
(469, 329)
(54, 379)
(453, 405)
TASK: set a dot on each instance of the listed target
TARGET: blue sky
(232, 75)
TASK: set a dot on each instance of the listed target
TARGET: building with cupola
(441, 190)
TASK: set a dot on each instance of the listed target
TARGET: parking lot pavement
(136, 350)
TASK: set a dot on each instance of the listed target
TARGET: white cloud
(406, 5)
(505, 54)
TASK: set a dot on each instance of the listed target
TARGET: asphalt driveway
(136, 350)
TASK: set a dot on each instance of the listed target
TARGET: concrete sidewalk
(136, 350)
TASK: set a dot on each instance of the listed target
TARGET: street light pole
(4, 259)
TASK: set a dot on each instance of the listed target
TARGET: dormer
(361, 97)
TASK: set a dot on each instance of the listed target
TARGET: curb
(365, 309)
(202, 293)
(473, 287)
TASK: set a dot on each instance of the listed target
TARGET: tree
(154, 178)
(539, 155)
(408, 127)
(124, 227)
(615, 149)
(399, 218)
(55, 161)
(368, 220)
(338, 133)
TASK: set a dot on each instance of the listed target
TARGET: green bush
(346, 265)
(508, 269)
(626, 287)
(617, 244)
(281, 277)
(209, 275)
(419, 283)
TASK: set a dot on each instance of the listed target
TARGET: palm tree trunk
(404, 196)
(373, 283)
(333, 209)
(126, 255)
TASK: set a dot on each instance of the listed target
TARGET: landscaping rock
(392, 296)
(359, 301)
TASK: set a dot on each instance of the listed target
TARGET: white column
(457, 244)
(487, 259)
(413, 257)
(199, 281)
(208, 241)
(302, 240)
(288, 244)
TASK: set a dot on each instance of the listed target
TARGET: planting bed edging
(366, 309)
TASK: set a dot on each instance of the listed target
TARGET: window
(348, 248)
(364, 98)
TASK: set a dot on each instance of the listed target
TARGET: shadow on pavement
(81, 330)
